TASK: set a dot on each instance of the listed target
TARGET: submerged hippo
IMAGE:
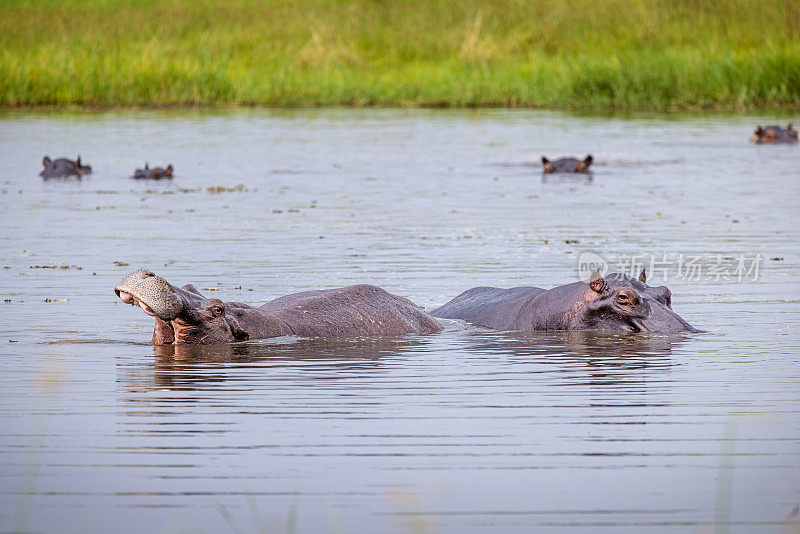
(63, 167)
(614, 303)
(156, 173)
(567, 165)
(184, 316)
(774, 134)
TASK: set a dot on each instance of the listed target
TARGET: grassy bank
(604, 54)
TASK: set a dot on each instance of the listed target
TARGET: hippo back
(360, 310)
(492, 307)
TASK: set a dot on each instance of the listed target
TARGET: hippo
(774, 134)
(571, 165)
(63, 168)
(614, 303)
(184, 316)
(154, 174)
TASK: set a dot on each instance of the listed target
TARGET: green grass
(578, 54)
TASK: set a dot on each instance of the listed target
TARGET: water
(466, 431)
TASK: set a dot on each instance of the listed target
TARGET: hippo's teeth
(146, 308)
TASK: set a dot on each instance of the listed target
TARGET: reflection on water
(583, 179)
(181, 366)
(470, 430)
(315, 349)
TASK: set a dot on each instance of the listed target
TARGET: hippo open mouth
(127, 298)
(154, 295)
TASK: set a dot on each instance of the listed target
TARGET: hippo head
(618, 302)
(774, 134)
(567, 165)
(183, 315)
(82, 169)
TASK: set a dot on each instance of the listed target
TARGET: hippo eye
(623, 298)
(217, 310)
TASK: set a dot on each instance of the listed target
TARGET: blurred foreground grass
(605, 54)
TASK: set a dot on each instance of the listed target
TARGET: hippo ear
(46, 161)
(588, 160)
(170, 169)
(545, 161)
(191, 289)
(759, 130)
(78, 161)
(596, 282)
(643, 276)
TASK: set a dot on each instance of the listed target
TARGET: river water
(469, 430)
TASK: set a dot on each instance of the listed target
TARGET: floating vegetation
(55, 300)
(56, 266)
(121, 264)
(222, 189)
